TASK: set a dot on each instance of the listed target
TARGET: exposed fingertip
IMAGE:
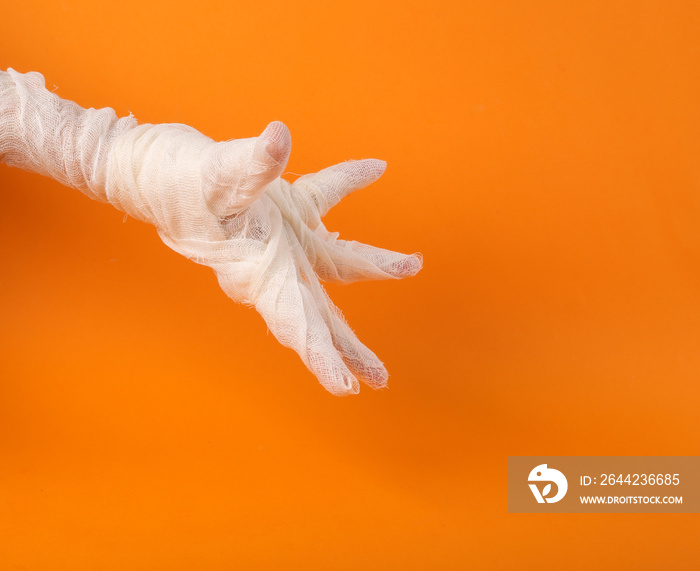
(275, 130)
(278, 141)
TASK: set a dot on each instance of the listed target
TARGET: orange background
(544, 158)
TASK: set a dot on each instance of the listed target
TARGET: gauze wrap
(220, 204)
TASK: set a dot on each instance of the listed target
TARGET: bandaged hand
(220, 204)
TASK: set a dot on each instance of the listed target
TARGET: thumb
(236, 172)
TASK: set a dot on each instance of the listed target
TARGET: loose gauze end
(222, 205)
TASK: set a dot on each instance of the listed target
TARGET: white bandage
(221, 204)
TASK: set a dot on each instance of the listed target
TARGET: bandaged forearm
(221, 204)
(43, 133)
(110, 159)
